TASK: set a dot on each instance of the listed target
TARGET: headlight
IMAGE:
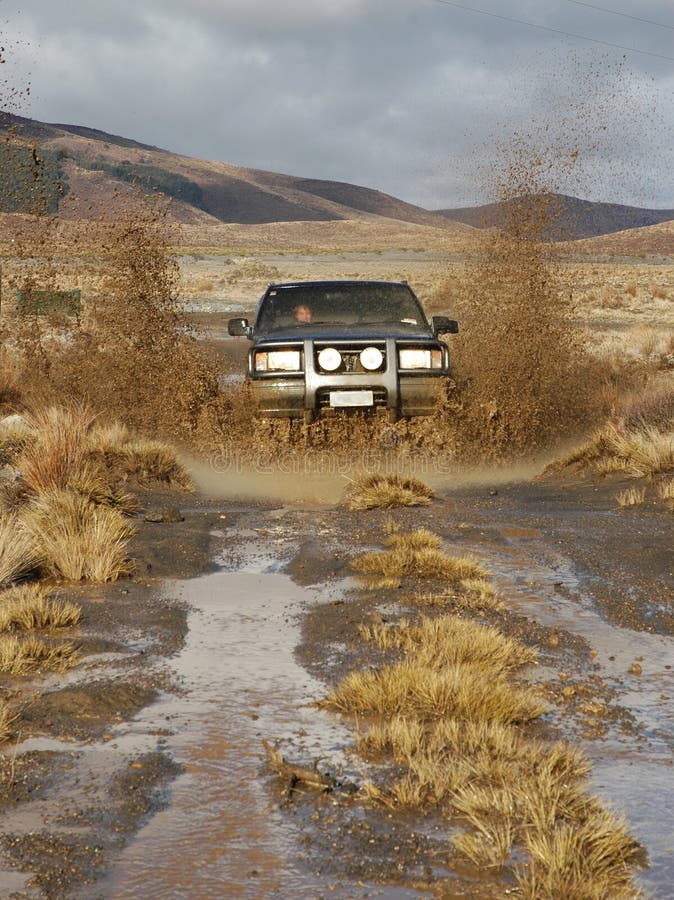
(278, 361)
(418, 358)
(329, 359)
(371, 358)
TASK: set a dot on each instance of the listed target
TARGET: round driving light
(371, 358)
(329, 359)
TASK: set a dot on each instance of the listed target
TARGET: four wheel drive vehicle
(326, 345)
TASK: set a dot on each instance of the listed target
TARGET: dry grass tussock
(448, 640)
(638, 452)
(64, 515)
(385, 491)
(417, 553)
(58, 449)
(413, 688)
(20, 656)
(152, 460)
(631, 497)
(76, 539)
(589, 861)
(18, 554)
(7, 718)
(471, 594)
(32, 606)
(640, 442)
(665, 491)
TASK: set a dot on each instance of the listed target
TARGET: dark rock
(163, 514)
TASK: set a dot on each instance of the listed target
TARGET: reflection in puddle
(222, 836)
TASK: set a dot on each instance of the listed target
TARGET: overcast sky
(411, 97)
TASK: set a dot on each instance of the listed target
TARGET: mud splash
(320, 478)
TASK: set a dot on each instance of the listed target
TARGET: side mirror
(443, 325)
(239, 328)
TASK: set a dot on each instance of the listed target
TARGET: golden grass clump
(417, 553)
(632, 496)
(490, 845)
(7, 718)
(19, 656)
(386, 491)
(58, 450)
(447, 640)
(108, 439)
(452, 718)
(640, 442)
(30, 606)
(410, 688)
(479, 593)
(155, 461)
(18, 555)
(94, 482)
(77, 540)
(665, 491)
(590, 860)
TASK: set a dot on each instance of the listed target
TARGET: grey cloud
(408, 96)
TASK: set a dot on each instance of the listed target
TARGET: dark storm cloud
(407, 96)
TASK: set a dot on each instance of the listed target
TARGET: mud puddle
(223, 833)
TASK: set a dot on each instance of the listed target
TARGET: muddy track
(144, 769)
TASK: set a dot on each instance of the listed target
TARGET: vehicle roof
(331, 281)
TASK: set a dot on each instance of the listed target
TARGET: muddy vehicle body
(318, 346)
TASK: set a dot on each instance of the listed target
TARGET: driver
(303, 314)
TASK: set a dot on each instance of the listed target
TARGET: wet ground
(142, 772)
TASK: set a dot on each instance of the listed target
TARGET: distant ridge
(574, 219)
(98, 170)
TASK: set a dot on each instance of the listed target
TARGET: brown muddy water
(223, 834)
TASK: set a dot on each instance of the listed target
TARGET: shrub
(77, 540)
(385, 491)
(18, 554)
(32, 606)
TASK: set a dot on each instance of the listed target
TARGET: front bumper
(401, 393)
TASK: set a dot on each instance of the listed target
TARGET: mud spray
(524, 380)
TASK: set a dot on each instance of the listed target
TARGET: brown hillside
(654, 240)
(99, 168)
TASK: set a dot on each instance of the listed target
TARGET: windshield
(338, 304)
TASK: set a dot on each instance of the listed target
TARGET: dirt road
(144, 770)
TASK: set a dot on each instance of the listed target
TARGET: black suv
(325, 345)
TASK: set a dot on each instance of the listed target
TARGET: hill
(573, 219)
(86, 173)
(100, 168)
(651, 241)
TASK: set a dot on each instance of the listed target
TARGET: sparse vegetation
(22, 655)
(7, 718)
(665, 491)
(18, 554)
(32, 606)
(417, 553)
(385, 491)
(76, 539)
(453, 718)
(632, 496)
